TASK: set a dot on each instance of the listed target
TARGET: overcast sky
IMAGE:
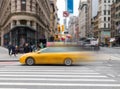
(61, 8)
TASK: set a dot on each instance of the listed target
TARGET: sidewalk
(4, 56)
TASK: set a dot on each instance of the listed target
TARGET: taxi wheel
(30, 61)
(68, 62)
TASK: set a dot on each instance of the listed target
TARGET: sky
(61, 8)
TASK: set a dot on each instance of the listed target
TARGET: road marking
(58, 84)
(111, 75)
(48, 73)
(95, 76)
(12, 88)
(57, 79)
(47, 70)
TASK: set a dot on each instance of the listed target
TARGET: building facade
(89, 18)
(117, 20)
(53, 19)
(105, 20)
(83, 19)
(113, 24)
(24, 21)
(95, 26)
(72, 27)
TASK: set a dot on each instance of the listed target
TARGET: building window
(108, 1)
(108, 25)
(23, 5)
(37, 8)
(15, 5)
(23, 22)
(31, 23)
(104, 12)
(104, 25)
(108, 12)
(108, 18)
(104, 1)
(104, 18)
(30, 5)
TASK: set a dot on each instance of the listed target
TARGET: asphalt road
(93, 75)
(104, 73)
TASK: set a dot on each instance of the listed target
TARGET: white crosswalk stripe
(24, 76)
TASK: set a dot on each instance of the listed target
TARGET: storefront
(20, 35)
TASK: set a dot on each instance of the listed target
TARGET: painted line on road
(57, 79)
(12, 88)
(59, 84)
(48, 73)
(47, 70)
(111, 75)
(95, 76)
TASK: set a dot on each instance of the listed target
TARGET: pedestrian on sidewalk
(13, 50)
(10, 48)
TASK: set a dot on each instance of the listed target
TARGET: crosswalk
(54, 77)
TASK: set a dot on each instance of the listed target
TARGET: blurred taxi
(55, 55)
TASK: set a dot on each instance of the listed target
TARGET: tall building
(105, 20)
(117, 20)
(83, 19)
(89, 18)
(95, 26)
(24, 21)
(113, 24)
(72, 27)
(53, 19)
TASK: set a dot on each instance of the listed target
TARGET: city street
(104, 73)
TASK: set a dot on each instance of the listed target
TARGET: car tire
(30, 61)
(68, 62)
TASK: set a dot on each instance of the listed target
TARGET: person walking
(13, 50)
(26, 48)
(10, 49)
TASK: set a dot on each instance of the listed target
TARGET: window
(108, 1)
(23, 22)
(15, 5)
(108, 25)
(30, 5)
(104, 25)
(104, 1)
(104, 12)
(31, 23)
(108, 18)
(23, 5)
(108, 12)
(104, 18)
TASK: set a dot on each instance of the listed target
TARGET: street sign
(65, 14)
(70, 6)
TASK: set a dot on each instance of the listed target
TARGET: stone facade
(27, 20)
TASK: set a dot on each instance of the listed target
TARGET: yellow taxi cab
(55, 55)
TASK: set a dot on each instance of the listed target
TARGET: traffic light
(59, 28)
(63, 28)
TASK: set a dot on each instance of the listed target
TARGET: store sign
(70, 6)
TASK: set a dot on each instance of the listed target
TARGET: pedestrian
(10, 48)
(26, 48)
(13, 50)
(41, 45)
